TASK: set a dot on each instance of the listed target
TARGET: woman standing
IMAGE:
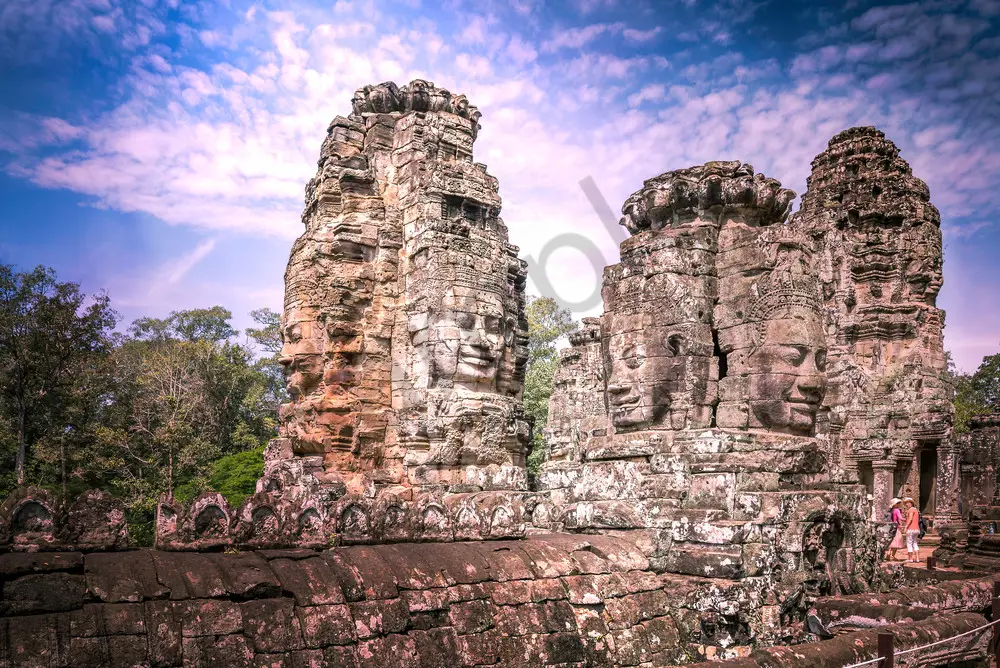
(912, 529)
(896, 517)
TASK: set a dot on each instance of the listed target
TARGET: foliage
(235, 476)
(172, 407)
(52, 342)
(267, 338)
(975, 393)
(180, 405)
(199, 324)
(547, 323)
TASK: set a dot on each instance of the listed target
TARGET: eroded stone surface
(460, 604)
(706, 435)
(404, 330)
(699, 435)
(32, 519)
(879, 260)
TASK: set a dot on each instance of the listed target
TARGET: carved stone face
(641, 375)
(468, 335)
(301, 352)
(788, 378)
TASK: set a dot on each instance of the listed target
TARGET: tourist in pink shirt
(896, 517)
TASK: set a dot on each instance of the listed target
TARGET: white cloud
(229, 146)
(520, 51)
(634, 35)
(474, 32)
(575, 38)
(651, 93)
(178, 269)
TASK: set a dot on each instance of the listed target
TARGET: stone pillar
(946, 502)
(883, 471)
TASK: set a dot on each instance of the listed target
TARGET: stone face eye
(293, 334)
(794, 355)
(634, 357)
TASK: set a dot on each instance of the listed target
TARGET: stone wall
(980, 453)
(547, 600)
(404, 331)
(576, 407)
(861, 647)
(694, 424)
(32, 519)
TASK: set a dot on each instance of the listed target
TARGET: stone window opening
(447, 152)
(721, 356)
(460, 207)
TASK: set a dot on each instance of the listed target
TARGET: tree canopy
(547, 323)
(51, 337)
(976, 393)
(172, 406)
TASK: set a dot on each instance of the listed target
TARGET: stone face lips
(711, 292)
(722, 314)
(713, 451)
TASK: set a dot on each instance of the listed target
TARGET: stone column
(946, 502)
(882, 490)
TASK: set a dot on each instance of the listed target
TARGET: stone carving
(711, 424)
(577, 396)
(270, 520)
(404, 330)
(787, 362)
(713, 376)
(877, 243)
(32, 519)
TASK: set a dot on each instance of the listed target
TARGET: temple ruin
(720, 440)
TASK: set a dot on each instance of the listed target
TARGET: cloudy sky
(159, 150)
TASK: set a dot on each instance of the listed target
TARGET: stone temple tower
(878, 240)
(405, 340)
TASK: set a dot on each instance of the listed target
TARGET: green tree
(52, 340)
(235, 476)
(547, 323)
(267, 341)
(975, 393)
(185, 396)
(199, 324)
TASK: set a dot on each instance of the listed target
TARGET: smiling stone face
(301, 352)
(788, 381)
(467, 335)
(645, 369)
(470, 339)
(629, 397)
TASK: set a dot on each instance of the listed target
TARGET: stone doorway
(866, 476)
(927, 463)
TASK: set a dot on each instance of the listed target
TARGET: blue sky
(159, 150)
